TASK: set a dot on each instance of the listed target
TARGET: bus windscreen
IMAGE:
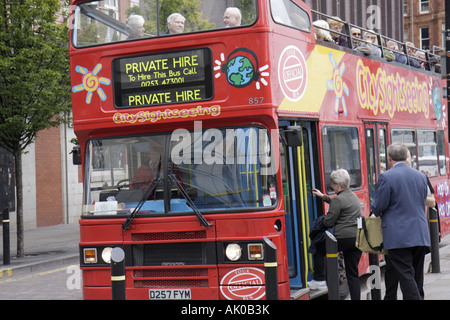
(225, 169)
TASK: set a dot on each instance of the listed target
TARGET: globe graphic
(240, 71)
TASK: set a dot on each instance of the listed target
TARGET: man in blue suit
(400, 201)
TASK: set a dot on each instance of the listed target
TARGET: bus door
(299, 167)
(376, 144)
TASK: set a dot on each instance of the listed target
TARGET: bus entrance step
(318, 294)
(300, 294)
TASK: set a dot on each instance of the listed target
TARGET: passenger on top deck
(392, 47)
(411, 55)
(321, 34)
(370, 46)
(336, 25)
(356, 36)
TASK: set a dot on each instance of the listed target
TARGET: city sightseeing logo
(91, 83)
(242, 69)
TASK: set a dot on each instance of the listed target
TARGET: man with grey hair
(135, 26)
(175, 23)
(369, 46)
(343, 213)
(400, 202)
(232, 17)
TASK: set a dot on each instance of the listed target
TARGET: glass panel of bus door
(375, 154)
(298, 174)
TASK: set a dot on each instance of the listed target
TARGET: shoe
(317, 285)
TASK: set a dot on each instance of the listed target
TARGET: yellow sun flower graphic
(91, 82)
(338, 85)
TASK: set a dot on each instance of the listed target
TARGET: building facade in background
(384, 16)
(52, 184)
(425, 24)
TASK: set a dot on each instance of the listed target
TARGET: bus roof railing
(423, 58)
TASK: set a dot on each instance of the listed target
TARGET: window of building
(111, 3)
(405, 9)
(425, 38)
(424, 6)
(406, 34)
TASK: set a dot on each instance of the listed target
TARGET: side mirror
(76, 155)
(293, 136)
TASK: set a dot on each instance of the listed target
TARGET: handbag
(369, 236)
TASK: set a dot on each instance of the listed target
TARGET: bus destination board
(163, 78)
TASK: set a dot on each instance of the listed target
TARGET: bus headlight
(233, 251)
(106, 254)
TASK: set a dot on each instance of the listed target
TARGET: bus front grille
(173, 260)
(177, 277)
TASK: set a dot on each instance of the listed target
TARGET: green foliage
(247, 10)
(34, 71)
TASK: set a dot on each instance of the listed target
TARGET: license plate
(169, 294)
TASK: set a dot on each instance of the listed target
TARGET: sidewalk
(436, 285)
(44, 247)
(58, 245)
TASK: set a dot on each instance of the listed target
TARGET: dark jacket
(344, 209)
(317, 233)
(400, 201)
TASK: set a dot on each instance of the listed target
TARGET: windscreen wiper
(184, 193)
(151, 188)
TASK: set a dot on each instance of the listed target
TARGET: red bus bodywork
(297, 79)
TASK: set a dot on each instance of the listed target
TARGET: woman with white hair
(135, 26)
(320, 33)
(343, 213)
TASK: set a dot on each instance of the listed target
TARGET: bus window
(408, 138)
(371, 158)
(341, 151)
(427, 152)
(219, 169)
(101, 22)
(382, 149)
(441, 152)
(289, 14)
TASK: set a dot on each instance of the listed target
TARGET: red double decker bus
(204, 132)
